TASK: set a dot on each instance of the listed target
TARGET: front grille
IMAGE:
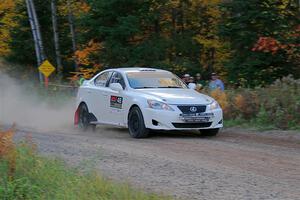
(187, 109)
(192, 125)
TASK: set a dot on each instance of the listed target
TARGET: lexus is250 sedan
(145, 99)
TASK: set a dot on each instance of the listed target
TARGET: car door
(117, 100)
(100, 97)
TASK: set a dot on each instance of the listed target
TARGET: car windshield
(154, 79)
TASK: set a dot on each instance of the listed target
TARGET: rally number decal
(116, 102)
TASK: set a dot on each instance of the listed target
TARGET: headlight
(214, 105)
(157, 105)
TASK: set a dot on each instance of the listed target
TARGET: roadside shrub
(8, 151)
(281, 101)
(246, 104)
(277, 105)
(222, 99)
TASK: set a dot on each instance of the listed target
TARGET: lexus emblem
(193, 109)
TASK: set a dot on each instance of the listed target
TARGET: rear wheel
(136, 124)
(209, 132)
(84, 121)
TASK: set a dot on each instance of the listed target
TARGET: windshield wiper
(170, 87)
(143, 87)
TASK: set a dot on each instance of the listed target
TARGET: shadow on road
(123, 132)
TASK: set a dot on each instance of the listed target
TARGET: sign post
(46, 68)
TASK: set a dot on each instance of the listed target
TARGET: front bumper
(173, 120)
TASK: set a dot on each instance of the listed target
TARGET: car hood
(177, 96)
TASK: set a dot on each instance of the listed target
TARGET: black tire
(136, 124)
(84, 121)
(209, 132)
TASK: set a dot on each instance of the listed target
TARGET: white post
(34, 34)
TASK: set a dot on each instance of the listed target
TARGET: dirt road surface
(237, 164)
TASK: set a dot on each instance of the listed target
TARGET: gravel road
(237, 164)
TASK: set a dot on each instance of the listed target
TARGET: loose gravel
(237, 164)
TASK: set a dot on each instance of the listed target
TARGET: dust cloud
(23, 106)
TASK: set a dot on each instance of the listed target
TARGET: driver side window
(117, 78)
(102, 79)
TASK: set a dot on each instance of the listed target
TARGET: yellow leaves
(246, 103)
(85, 73)
(213, 49)
(221, 51)
(210, 7)
(76, 7)
(6, 5)
(83, 56)
(208, 43)
(239, 102)
(7, 13)
(283, 4)
(84, 7)
(221, 98)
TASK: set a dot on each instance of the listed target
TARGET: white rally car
(144, 99)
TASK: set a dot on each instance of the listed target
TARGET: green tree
(244, 23)
(173, 34)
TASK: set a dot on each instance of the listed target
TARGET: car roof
(137, 69)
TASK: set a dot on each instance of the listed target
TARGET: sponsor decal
(116, 102)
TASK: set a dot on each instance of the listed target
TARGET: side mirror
(116, 87)
(192, 86)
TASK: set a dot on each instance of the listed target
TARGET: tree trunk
(182, 16)
(174, 22)
(56, 37)
(212, 59)
(157, 26)
(38, 31)
(34, 31)
(72, 30)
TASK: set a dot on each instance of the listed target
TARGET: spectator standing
(200, 83)
(191, 79)
(186, 78)
(216, 83)
(191, 83)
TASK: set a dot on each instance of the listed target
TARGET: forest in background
(249, 43)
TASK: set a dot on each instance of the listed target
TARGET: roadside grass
(255, 124)
(38, 177)
(248, 124)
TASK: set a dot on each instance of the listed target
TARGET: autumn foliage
(269, 44)
(88, 65)
(8, 150)
(85, 56)
(249, 43)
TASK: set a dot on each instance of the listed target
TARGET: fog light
(154, 122)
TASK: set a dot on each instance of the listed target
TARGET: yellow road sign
(46, 68)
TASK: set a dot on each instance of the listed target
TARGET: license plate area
(197, 117)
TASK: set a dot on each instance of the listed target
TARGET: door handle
(89, 92)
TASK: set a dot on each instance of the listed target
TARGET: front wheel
(209, 132)
(136, 124)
